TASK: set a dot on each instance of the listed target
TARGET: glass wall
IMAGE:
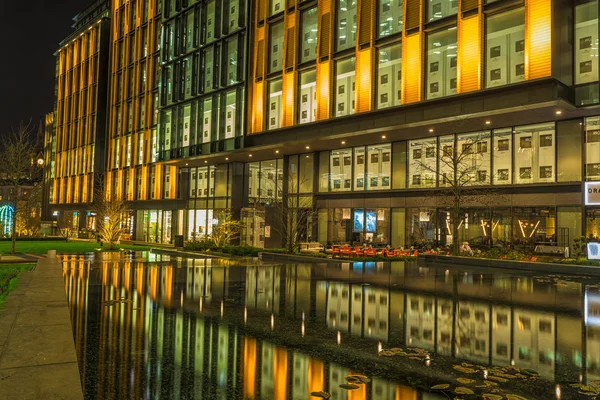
(441, 63)
(341, 170)
(422, 163)
(586, 42)
(389, 76)
(265, 181)
(502, 156)
(379, 170)
(344, 87)
(276, 6)
(275, 110)
(592, 148)
(437, 9)
(308, 41)
(276, 47)
(389, 17)
(307, 108)
(345, 37)
(534, 153)
(505, 48)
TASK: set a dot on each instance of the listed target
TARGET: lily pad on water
(321, 394)
(442, 386)
(515, 397)
(349, 386)
(463, 390)
(466, 381)
(358, 379)
(529, 372)
(490, 396)
(464, 369)
(497, 379)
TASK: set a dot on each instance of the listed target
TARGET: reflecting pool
(150, 327)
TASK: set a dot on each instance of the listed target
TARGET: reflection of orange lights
(316, 375)
(405, 393)
(280, 360)
(249, 368)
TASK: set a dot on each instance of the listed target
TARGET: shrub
(202, 244)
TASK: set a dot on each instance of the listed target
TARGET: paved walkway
(37, 351)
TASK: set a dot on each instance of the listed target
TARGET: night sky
(29, 35)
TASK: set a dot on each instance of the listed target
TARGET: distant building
(75, 140)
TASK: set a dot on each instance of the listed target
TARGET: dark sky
(30, 31)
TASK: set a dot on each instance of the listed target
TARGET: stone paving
(37, 351)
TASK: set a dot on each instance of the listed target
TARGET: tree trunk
(14, 222)
(455, 244)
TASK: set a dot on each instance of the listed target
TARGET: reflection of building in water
(369, 307)
(263, 288)
(445, 312)
(420, 321)
(501, 327)
(472, 331)
(482, 323)
(534, 341)
(338, 306)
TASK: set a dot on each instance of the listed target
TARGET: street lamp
(40, 162)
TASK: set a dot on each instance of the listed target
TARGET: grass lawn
(6, 282)
(41, 247)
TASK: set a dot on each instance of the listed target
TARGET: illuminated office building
(75, 133)
(349, 107)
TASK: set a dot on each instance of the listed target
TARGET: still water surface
(150, 327)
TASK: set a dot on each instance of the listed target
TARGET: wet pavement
(149, 327)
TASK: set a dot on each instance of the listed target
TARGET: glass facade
(345, 35)
(308, 40)
(276, 47)
(344, 87)
(389, 76)
(505, 48)
(440, 72)
(389, 13)
(592, 148)
(203, 78)
(437, 9)
(307, 96)
(274, 102)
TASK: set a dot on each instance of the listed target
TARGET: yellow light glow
(323, 91)
(469, 54)
(538, 39)
(364, 73)
(412, 69)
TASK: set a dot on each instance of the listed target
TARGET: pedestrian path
(37, 351)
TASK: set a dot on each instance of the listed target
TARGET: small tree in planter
(225, 229)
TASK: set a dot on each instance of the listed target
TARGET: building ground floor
(546, 216)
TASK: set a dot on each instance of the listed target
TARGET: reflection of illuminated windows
(524, 354)
(501, 350)
(545, 327)
(524, 324)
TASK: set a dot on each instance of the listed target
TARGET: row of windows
(131, 77)
(201, 25)
(132, 153)
(520, 155)
(214, 67)
(206, 120)
(130, 13)
(135, 115)
(76, 161)
(127, 50)
(504, 64)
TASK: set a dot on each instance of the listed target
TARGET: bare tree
(462, 168)
(110, 212)
(16, 165)
(226, 229)
(293, 213)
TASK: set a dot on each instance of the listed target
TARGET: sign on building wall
(592, 193)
